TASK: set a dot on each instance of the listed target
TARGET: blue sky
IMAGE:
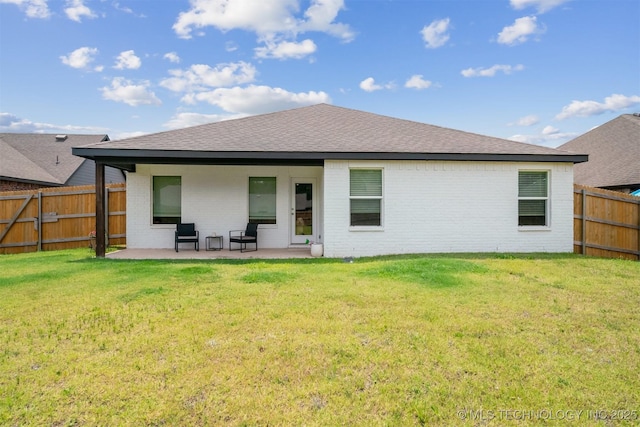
(538, 71)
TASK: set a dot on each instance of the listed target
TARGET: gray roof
(40, 158)
(614, 154)
(316, 133)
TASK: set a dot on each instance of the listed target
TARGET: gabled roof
(314, 134)
(41, 158)
(614, 153)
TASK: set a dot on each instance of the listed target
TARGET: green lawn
(411, 340)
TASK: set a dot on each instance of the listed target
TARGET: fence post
(106, 216)
(39, 221)
(584, 221)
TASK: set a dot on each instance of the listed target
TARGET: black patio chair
(187, 233)
(244, 237)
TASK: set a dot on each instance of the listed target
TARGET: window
(167, 199)
(262, 200)
(533, 197)
(366, 197)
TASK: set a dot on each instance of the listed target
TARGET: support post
(100, 204)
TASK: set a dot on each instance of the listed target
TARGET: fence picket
(609, 222)
(58, 218)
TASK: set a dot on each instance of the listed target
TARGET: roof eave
(120, 158)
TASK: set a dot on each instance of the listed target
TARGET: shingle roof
(614, 153)
(320, 131)
(41, 158)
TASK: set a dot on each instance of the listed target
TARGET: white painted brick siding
(447, 207)
(427, 207)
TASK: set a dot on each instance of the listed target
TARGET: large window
(366, 197)
(262, 200)
(533, 198)
(167, 199)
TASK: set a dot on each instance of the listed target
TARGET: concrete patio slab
(203, 254)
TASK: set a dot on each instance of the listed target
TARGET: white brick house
(360, 183)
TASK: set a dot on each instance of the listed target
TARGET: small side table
(209, 240)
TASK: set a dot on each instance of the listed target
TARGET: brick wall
(447, 207)
(427, 207)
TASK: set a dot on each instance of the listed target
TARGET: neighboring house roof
(614, 153)
(310, 135)
(41, 158)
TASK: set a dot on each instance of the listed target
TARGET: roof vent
(60, 138)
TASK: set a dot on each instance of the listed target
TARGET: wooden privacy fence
(58, 218)
(606, 223)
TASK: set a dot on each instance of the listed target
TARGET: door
(303, 216)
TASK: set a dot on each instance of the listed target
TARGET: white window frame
(547, 199)
(380, 197)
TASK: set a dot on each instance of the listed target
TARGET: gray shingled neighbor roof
(614, 154)
(40, 158)
(317, 132)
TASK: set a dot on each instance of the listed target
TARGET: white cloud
(76, 9)
(183, 120)
(529, 120)
(491, 72)
(172, 57)
(548, 137)
(127, 60)
(263, 17)
(369, 85)
(259, 99)
(320, 16)
(201, 77)
(12, 123)
(32, 8)
(417, 82)
(81, 58)
(435, 34)
(520, 31)
(266, 17)
(125, 135)
(286, 49)
(123, 90)
(541, 5)
(125, 9)
(117, 6)
(614, 102)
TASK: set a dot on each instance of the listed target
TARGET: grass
(407, 340)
